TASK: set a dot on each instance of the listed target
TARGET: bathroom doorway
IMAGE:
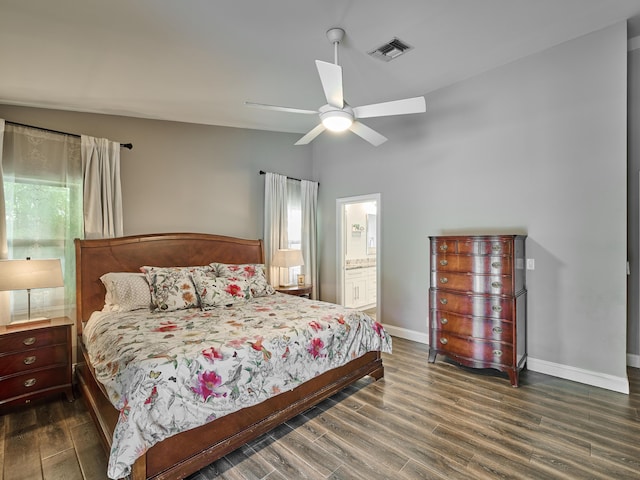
(358, 253)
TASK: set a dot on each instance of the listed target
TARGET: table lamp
(286, 258)
(29, 274)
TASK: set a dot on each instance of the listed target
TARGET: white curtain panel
(39, 169)
(5, 305)
(309, 203)
(275, 221)
(101, 188)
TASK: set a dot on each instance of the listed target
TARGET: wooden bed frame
(190, 451)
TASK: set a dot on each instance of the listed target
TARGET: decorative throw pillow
(171, 287)
(254, 273)
(217, 291)
(125, 292)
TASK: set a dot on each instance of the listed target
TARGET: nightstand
(300, 291)
(35, 360)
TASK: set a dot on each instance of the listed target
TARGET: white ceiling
(199, 60)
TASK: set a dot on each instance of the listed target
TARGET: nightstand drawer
(33, 359)
(31, 382)
(22, 340)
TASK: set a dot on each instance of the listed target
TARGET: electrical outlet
(531, 264)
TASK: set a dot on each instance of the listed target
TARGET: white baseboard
(633, 360)
(412, 335)
(596, 379)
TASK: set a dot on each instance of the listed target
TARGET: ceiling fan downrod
(335, 36)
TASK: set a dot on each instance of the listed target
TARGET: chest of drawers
(35, 361)
(478, 301)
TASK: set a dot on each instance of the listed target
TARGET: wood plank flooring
(422, 421)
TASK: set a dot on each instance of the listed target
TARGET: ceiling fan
(337, 115)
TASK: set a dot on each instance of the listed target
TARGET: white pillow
(125, 292)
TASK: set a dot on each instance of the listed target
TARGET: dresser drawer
(33, 359)
(30, 382)
(472, 264)
(473, 305)
(472, 348)
(467, 326)
(467, 282)
(485, 247)
(33, 339)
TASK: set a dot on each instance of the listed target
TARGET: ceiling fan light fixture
(337, 120)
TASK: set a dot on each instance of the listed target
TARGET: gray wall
(536, 146)
(185, 177)
(633, 292)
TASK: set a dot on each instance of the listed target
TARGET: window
(42, 184)
(294, 223)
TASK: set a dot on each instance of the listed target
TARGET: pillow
(217, 291)
(171, 287)
(254, 273)
(125, 292)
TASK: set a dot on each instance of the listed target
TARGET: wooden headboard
(94, 258)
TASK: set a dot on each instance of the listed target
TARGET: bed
(178, 454)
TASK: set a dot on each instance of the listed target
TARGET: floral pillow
(254, 273)
(125, 291)
(217, 291)
(171, 287)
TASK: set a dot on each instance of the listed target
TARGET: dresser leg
(513, 377)
(69, 394)
(432, 355)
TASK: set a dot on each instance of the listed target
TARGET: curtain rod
(262, 172)
(125, 145)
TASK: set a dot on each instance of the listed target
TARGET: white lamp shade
(287, 257)
(28, 274)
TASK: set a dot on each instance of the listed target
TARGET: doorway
(358, 253)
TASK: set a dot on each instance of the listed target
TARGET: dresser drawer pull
(496, 247)
(30, 382)
(444, 280)
(444, 321)
(444, 247)
(444, 263)
(496, 308)
(497, 353)
(496, 284)
(444, 341)
(29, 360)
(29, 341)
(496, 264)
(444, 301)
(497, 329)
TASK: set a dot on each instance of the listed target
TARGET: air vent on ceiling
(390, 50)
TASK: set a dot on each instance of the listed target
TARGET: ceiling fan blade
(369, 134)
(396, 107)
(331, 78)
(313, 133)
(279, 109)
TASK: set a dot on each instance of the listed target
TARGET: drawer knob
(444, 301)
(444, 341)
(444, 263)
(29, 360)
(444, 280)
(444, 321)
(30, 382)
(496, 264)
(496, 247)
(496, 284)
(497, 353)
(497, 329)
(444, 247)
(496, 308)
(29, 340)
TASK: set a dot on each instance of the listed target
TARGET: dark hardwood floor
(422, 420)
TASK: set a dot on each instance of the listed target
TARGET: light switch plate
(531, 264)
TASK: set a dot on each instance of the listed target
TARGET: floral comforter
(171, 372)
